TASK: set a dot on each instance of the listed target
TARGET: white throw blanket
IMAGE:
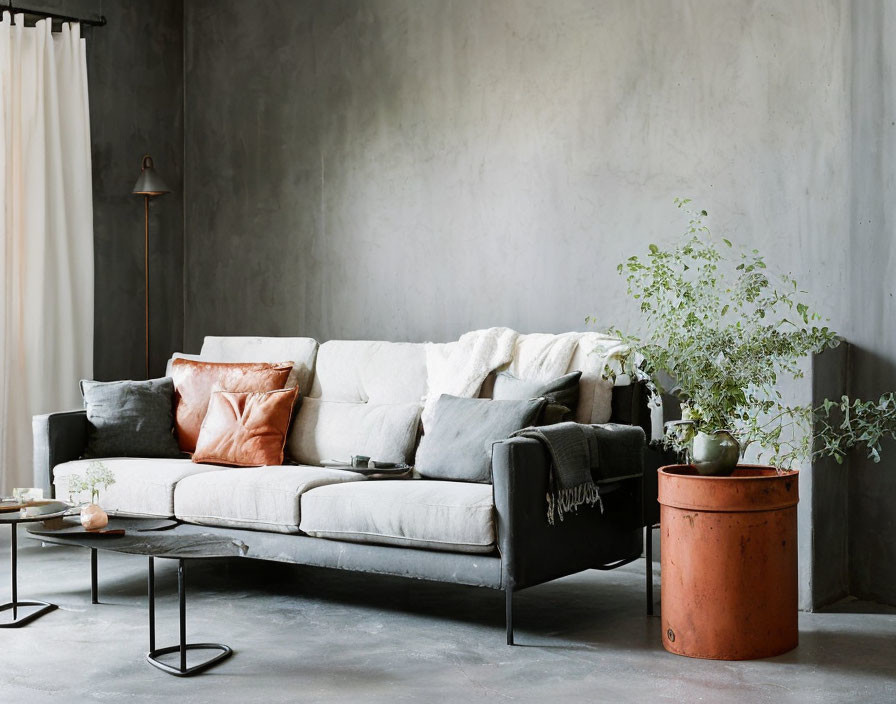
(542, 356)
(459, 368)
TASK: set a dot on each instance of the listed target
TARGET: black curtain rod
(54, 16)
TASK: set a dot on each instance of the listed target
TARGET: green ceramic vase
(715, 454)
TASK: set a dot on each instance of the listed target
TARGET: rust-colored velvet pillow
(194, 382)
(245, 429)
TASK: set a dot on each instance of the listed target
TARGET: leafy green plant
(726, 329)
(842, 425)
(98, 476)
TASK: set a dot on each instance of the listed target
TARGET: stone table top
(143, 536)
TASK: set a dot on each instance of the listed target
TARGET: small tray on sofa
(384, 468)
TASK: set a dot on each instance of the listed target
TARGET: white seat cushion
(257, 498)
(143, 485)
(419, 513)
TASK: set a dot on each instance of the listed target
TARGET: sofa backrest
(532, 361)
(301, 351)
(362, 371)
(365, 399)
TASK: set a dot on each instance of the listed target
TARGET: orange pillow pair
(195, 383)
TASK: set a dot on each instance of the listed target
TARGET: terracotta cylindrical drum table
(729, 562)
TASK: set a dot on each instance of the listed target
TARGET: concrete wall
(411, 170)
(135, 77)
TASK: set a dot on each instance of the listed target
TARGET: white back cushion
(364, 371)
(181, 355)
(595, 392)
(365, 399)
(542, 357)
(301, 351)
(336, 430)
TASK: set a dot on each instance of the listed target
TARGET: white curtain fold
(46, 233)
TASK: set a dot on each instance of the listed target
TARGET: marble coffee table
(152, 538)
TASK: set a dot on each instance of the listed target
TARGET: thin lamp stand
(146, 280)
(148, 184)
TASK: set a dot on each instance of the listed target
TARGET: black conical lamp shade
(149, 182)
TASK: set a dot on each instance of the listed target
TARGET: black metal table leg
(15, 604)
(94, 590)
(182, 599)
(13, 570)
(151, 584)
(182, 647)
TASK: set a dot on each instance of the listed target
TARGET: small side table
(156, 539)
(17, 621)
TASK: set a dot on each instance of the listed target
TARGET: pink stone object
(93, 517)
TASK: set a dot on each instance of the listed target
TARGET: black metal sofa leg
(648, 570)
(508, 601)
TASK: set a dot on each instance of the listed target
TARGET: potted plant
(97, 477)
(722, 331)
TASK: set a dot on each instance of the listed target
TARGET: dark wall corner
(135, 75)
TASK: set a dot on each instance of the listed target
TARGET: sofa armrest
(58, 437)
(532, 550)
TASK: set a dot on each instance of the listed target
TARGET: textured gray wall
(411, 170)
(135, 78)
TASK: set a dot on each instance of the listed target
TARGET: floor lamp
(148, 185)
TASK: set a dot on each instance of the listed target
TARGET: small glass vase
(93, 517)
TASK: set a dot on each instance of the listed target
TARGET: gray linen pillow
(130, 418)
(562, 394)
(458, 445)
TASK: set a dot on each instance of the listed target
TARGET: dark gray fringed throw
(573, 448)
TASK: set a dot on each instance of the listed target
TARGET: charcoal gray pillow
(458, 445)
(562, 394)
(130, 418)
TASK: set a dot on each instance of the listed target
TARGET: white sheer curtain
(46, 233)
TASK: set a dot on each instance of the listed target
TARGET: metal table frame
(145, 538)
(15, 604)
(152, 657)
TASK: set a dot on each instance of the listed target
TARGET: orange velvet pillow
(194, 382)
(245, 429)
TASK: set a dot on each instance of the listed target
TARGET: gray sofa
(359, 399)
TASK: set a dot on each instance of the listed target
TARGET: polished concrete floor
(310, 635)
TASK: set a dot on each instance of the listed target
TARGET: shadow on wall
(872, 486)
